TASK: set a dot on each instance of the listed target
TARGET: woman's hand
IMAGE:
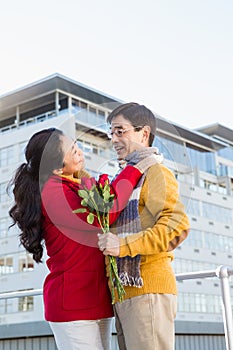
(109, 244)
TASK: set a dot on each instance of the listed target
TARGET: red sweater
(76, 287)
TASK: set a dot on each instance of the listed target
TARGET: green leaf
(83, 194)
(106, 196)
(84, 202)
(80, 210)
(90, 218)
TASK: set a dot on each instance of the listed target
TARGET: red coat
(76, 287)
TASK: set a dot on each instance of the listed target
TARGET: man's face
(130, 140)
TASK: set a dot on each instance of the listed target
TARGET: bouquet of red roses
(97, 197)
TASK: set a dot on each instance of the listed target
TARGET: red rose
(86, 183)
(93, 181)
(103, 180)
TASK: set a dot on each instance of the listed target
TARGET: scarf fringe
(131, 281)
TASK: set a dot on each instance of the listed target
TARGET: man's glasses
(120, 132)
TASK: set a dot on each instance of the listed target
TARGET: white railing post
(223, 273)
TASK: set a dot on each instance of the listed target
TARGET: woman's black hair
(43, 155)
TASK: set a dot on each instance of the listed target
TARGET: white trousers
(83, 335)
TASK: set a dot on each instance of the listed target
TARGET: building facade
(202, 161)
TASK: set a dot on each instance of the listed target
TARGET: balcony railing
(222, 272)
(33, 120)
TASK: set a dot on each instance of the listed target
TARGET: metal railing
(222, 272)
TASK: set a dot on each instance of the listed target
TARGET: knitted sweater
(163, 223)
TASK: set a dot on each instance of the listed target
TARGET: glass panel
(8, 156)
(226, 152)
(171, 150)
(217, 213)
(26, 263)
(3, 194)
(192, 205)
(4, 224)
(25, 304)
(6, 265)
(22, 151)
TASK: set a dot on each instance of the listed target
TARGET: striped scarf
(128, 223)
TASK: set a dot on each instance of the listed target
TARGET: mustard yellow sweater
(164, 225)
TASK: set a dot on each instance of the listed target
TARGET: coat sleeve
(161, 203)
(59, 199)
(122, 187)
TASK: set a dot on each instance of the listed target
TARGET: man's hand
(109, 244)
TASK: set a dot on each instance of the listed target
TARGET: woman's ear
(58, 171)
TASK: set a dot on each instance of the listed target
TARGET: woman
(76, 296)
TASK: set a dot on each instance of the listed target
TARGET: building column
(17, 119)
(57, 105)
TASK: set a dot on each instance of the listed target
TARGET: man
(149, 228)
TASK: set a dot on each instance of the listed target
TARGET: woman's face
(73, 156)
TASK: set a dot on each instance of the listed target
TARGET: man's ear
(146, 133)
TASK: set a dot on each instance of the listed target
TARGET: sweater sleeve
(163, 216)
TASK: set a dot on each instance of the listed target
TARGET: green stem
(118, 284)
(112, 284)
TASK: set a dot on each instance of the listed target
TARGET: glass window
(2, 306)
(4, 225)
(25, 304)
(218, 242)
(101, 113)
(226, 152)
(223, 170)
(192, 303)
(26, 263)
(172, 150)
(186, 266)
(217, 213)
(6, 264)
(8, 155)
(213, 186)
(192, 205)
(3, 194)
(75, 103)
(222, 188)
(83, 105)
(230, 171)
(186, 302)
(201, 303)
(204, 161)
(6, 306)
(22, 147)
(92, 110)
(194, 239)
(181, 302)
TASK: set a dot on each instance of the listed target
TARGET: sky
(174, 56)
